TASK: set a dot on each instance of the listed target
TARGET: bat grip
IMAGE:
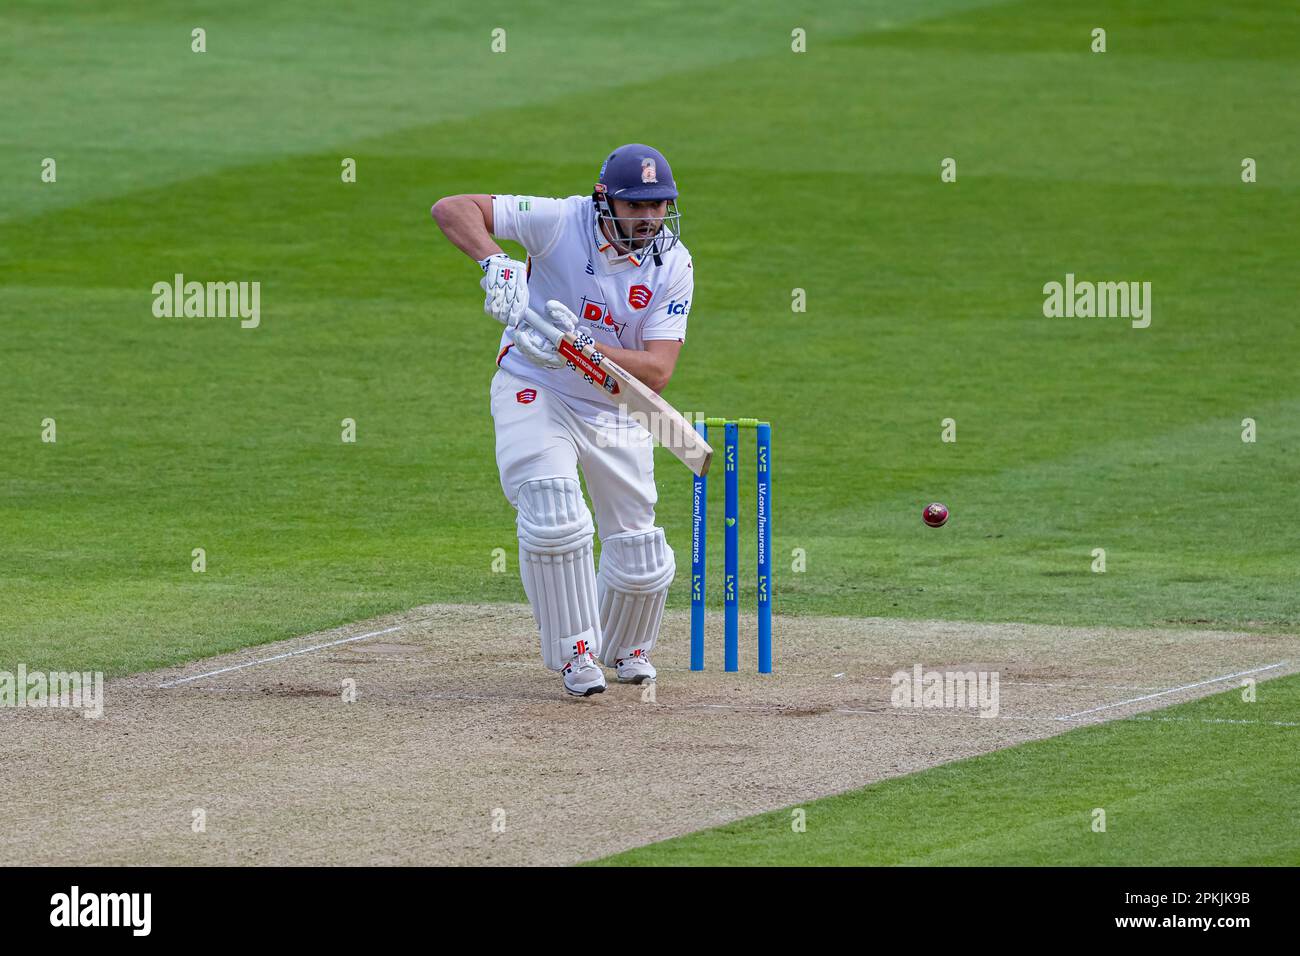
(541, 325)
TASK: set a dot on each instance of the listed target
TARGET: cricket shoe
(635, 668)
(583, 677)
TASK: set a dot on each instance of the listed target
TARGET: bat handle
(541, 325)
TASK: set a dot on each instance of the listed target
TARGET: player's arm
(663, 334)
(539, 340)
(654, 366)
(466, 221)
(469, 223)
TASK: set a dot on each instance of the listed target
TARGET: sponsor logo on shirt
(523, 205)
(679, 308)
(596, 312)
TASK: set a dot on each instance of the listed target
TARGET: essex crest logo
(638, 297)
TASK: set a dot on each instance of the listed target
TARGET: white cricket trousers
(539, 436)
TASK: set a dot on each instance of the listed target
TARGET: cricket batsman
(611, 268)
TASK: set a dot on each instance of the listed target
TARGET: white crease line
(1034, 683)
(668, 668)
(280, 657)
(913, 712)
(792, 711)
(930, 712)
(1218, 720)
(1171, 690)
(768, 710)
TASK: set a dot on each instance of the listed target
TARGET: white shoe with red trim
(635, 668)
(583, 676)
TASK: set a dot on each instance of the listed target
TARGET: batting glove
(561, 315)
(536, 347)
(505, 287)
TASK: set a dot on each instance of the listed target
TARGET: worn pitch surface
(461, 749)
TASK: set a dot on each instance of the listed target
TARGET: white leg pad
(635, 570)
(555, 563)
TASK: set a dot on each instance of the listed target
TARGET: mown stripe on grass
(1178, 788)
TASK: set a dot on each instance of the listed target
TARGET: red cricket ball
(935, 515)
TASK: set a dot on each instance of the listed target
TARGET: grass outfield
(820, 171)
(1185, 786)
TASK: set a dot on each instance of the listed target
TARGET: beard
(640, 236)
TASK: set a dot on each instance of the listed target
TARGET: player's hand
(561, 315)
(505, 284)
(536, 347)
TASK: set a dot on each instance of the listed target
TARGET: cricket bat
(669, 427)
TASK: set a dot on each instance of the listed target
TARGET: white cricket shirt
(626, 303)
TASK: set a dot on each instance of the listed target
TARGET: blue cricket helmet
(637, 173)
